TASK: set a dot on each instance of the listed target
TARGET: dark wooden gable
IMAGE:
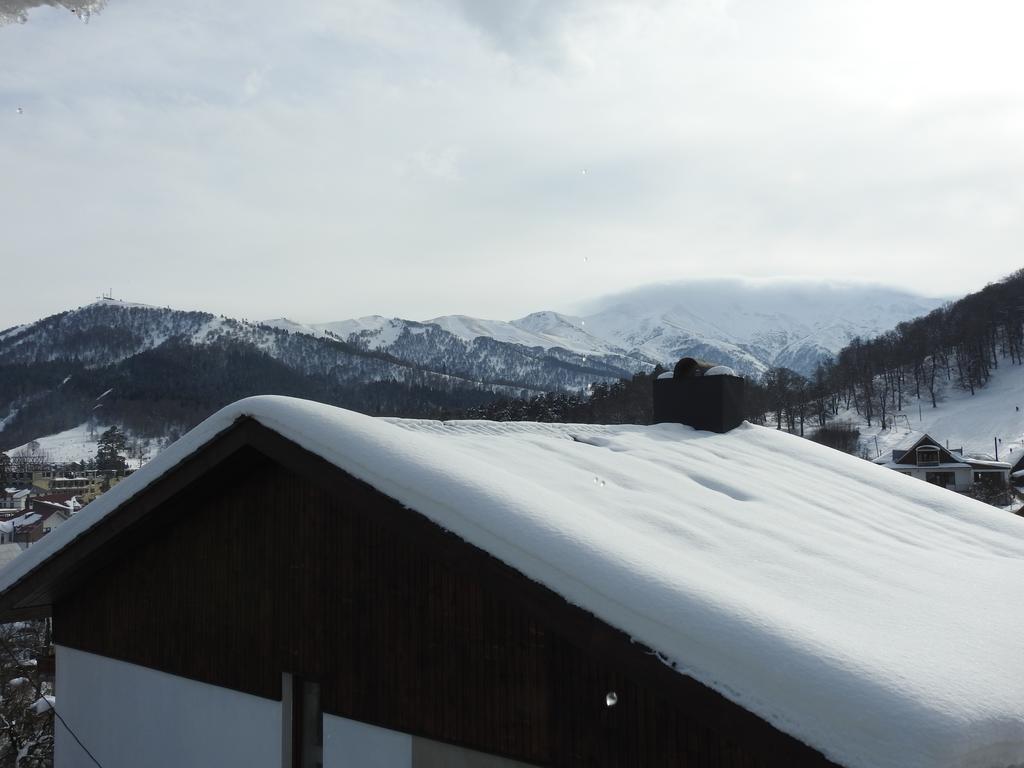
(909, 456)
(256, 557)
(1018, 463)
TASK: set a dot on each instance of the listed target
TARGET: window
(943, 479)
(990, 479)
(927, 456)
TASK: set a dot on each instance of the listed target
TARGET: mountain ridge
(169, 368)
(747, 325)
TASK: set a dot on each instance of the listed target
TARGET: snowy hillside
(967, 421)
(750, 326)
(81, 443)
(169, 368)
(543, 330)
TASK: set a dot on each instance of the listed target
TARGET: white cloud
(336, 159)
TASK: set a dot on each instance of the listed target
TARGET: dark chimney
(689, 396)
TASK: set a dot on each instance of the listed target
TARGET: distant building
(1017, 470)
(67, 502)
(926, 459)
(28, 528)
(85, 484)
(14, 499)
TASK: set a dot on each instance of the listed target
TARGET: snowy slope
(80, 444)
(546, 330)
(168, 367)
(873, 616)
(961, 419)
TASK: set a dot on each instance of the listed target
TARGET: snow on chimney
(700, 394)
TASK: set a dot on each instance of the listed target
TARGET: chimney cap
(691, 367)
(721, 370)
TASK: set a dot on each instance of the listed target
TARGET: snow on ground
(13, 330)
(871, 615)
(43, 704)
(8, 418)
(374, 331)
(541, 329)
(80, 444)
(961, 419)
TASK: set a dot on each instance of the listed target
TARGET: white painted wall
(349, 744)
(963, 478)
(130, 716)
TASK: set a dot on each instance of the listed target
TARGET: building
(28, 528)
(1017, 470)
(293, 583)
(59, 479)
(927, 460)
(66, 502)
(15, 498)
(85, 484)
(15, 529)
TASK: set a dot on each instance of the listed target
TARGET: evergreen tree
(110, 451)
(5, 470)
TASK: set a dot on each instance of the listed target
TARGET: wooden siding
(255, 569)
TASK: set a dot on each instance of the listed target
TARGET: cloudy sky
(323, 159)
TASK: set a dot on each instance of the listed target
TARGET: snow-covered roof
(983, 463)
(873, 616)
(8, 552)
(979, 456)
(29, 518)
(66, 508)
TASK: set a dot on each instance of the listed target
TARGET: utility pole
(995, 442)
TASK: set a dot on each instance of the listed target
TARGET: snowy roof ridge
(871, 615)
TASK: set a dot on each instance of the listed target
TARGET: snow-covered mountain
(756, 324)
(749, 325)
(167, 369)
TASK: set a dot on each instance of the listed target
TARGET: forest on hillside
(164, 391)
(961, 343)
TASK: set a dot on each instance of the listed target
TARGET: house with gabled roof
(15, 498)
(927, 459)
(1017, 469)
(498, 595)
